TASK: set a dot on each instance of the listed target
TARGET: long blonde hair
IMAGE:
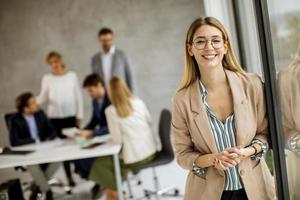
(120, 96)
(191, 69)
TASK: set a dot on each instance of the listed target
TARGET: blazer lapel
(201, 118)
(239, 106)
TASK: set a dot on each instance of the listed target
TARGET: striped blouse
(225, 137)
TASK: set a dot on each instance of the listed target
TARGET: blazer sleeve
(93, 121)
(286, 91)
(103, 130)
(262, 132)
(113, 126)
(128, 74)
(14, 132)
(184, 148)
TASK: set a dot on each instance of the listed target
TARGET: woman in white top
(129, 124)
(62, 94)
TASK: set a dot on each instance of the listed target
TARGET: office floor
(169, 175)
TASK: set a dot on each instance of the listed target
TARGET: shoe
(49, 195)
(35, 192)
(71, 183)
(97, 191)
(68, 189)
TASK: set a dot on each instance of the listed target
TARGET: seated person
(31, 125)
(129, 123)
(97, 126)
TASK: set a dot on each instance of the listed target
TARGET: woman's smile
(209, 57)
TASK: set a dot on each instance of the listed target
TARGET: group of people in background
(115, 110)
(219, 119)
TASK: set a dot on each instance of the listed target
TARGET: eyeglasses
(201, 43)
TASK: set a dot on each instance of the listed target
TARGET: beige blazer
(192, 137)
(289, 84)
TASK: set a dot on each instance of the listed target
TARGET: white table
(64, 150)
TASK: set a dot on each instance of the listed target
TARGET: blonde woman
(219, 121)
(129, 124)
(289, 85)
(62, 94)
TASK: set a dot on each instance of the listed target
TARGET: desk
(63, 150)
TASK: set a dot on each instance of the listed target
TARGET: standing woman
(62, 93)
(129, 123)
(219, 121)
(289, 85)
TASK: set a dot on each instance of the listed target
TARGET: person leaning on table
(219, 121)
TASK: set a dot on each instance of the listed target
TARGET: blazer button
(242, 172)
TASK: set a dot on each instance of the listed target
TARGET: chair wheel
(147, 195)
(176, 192)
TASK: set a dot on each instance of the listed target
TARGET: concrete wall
(151, 32)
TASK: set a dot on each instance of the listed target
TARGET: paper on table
(70, 132)
(97, 140)
(103, 138)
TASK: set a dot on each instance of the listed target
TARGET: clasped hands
(230, 157)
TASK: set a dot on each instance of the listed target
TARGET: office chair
(8, 117)
(165, 156)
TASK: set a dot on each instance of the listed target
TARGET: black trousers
(234, 195)
(59, 124)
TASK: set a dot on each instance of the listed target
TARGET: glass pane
(285, 28)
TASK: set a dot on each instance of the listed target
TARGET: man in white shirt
(111, 61)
